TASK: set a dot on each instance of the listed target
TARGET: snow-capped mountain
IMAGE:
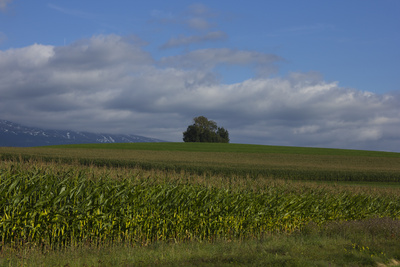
(16, 135)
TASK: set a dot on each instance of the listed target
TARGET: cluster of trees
(204, 130)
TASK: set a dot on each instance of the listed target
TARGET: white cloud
(197, 17)
(303, 30)
(199, 23)
(4, 3)
(161, 15)
(28, 57)
(194, 39)
(110, 84)
(210, 58)
(199, 10)
(72, 12)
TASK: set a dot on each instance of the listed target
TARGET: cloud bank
(109, 83)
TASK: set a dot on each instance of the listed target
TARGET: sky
(293, 73)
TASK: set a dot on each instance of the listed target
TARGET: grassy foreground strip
(57, 213)
(349, 244)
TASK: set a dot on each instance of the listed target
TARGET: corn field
(55, 207)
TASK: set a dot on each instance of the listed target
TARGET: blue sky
(311, 73)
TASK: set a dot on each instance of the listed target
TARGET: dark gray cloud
(111, 84)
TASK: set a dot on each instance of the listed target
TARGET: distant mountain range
(16, 135)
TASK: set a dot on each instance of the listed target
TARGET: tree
(204, 130)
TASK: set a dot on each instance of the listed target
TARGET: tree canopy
(204, 130)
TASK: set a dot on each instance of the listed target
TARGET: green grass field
(292, 163)
(235, 148)
(198, 204)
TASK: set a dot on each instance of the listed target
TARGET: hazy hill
(13, 134)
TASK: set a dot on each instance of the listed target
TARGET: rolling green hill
(237, 148)
(294, 163)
